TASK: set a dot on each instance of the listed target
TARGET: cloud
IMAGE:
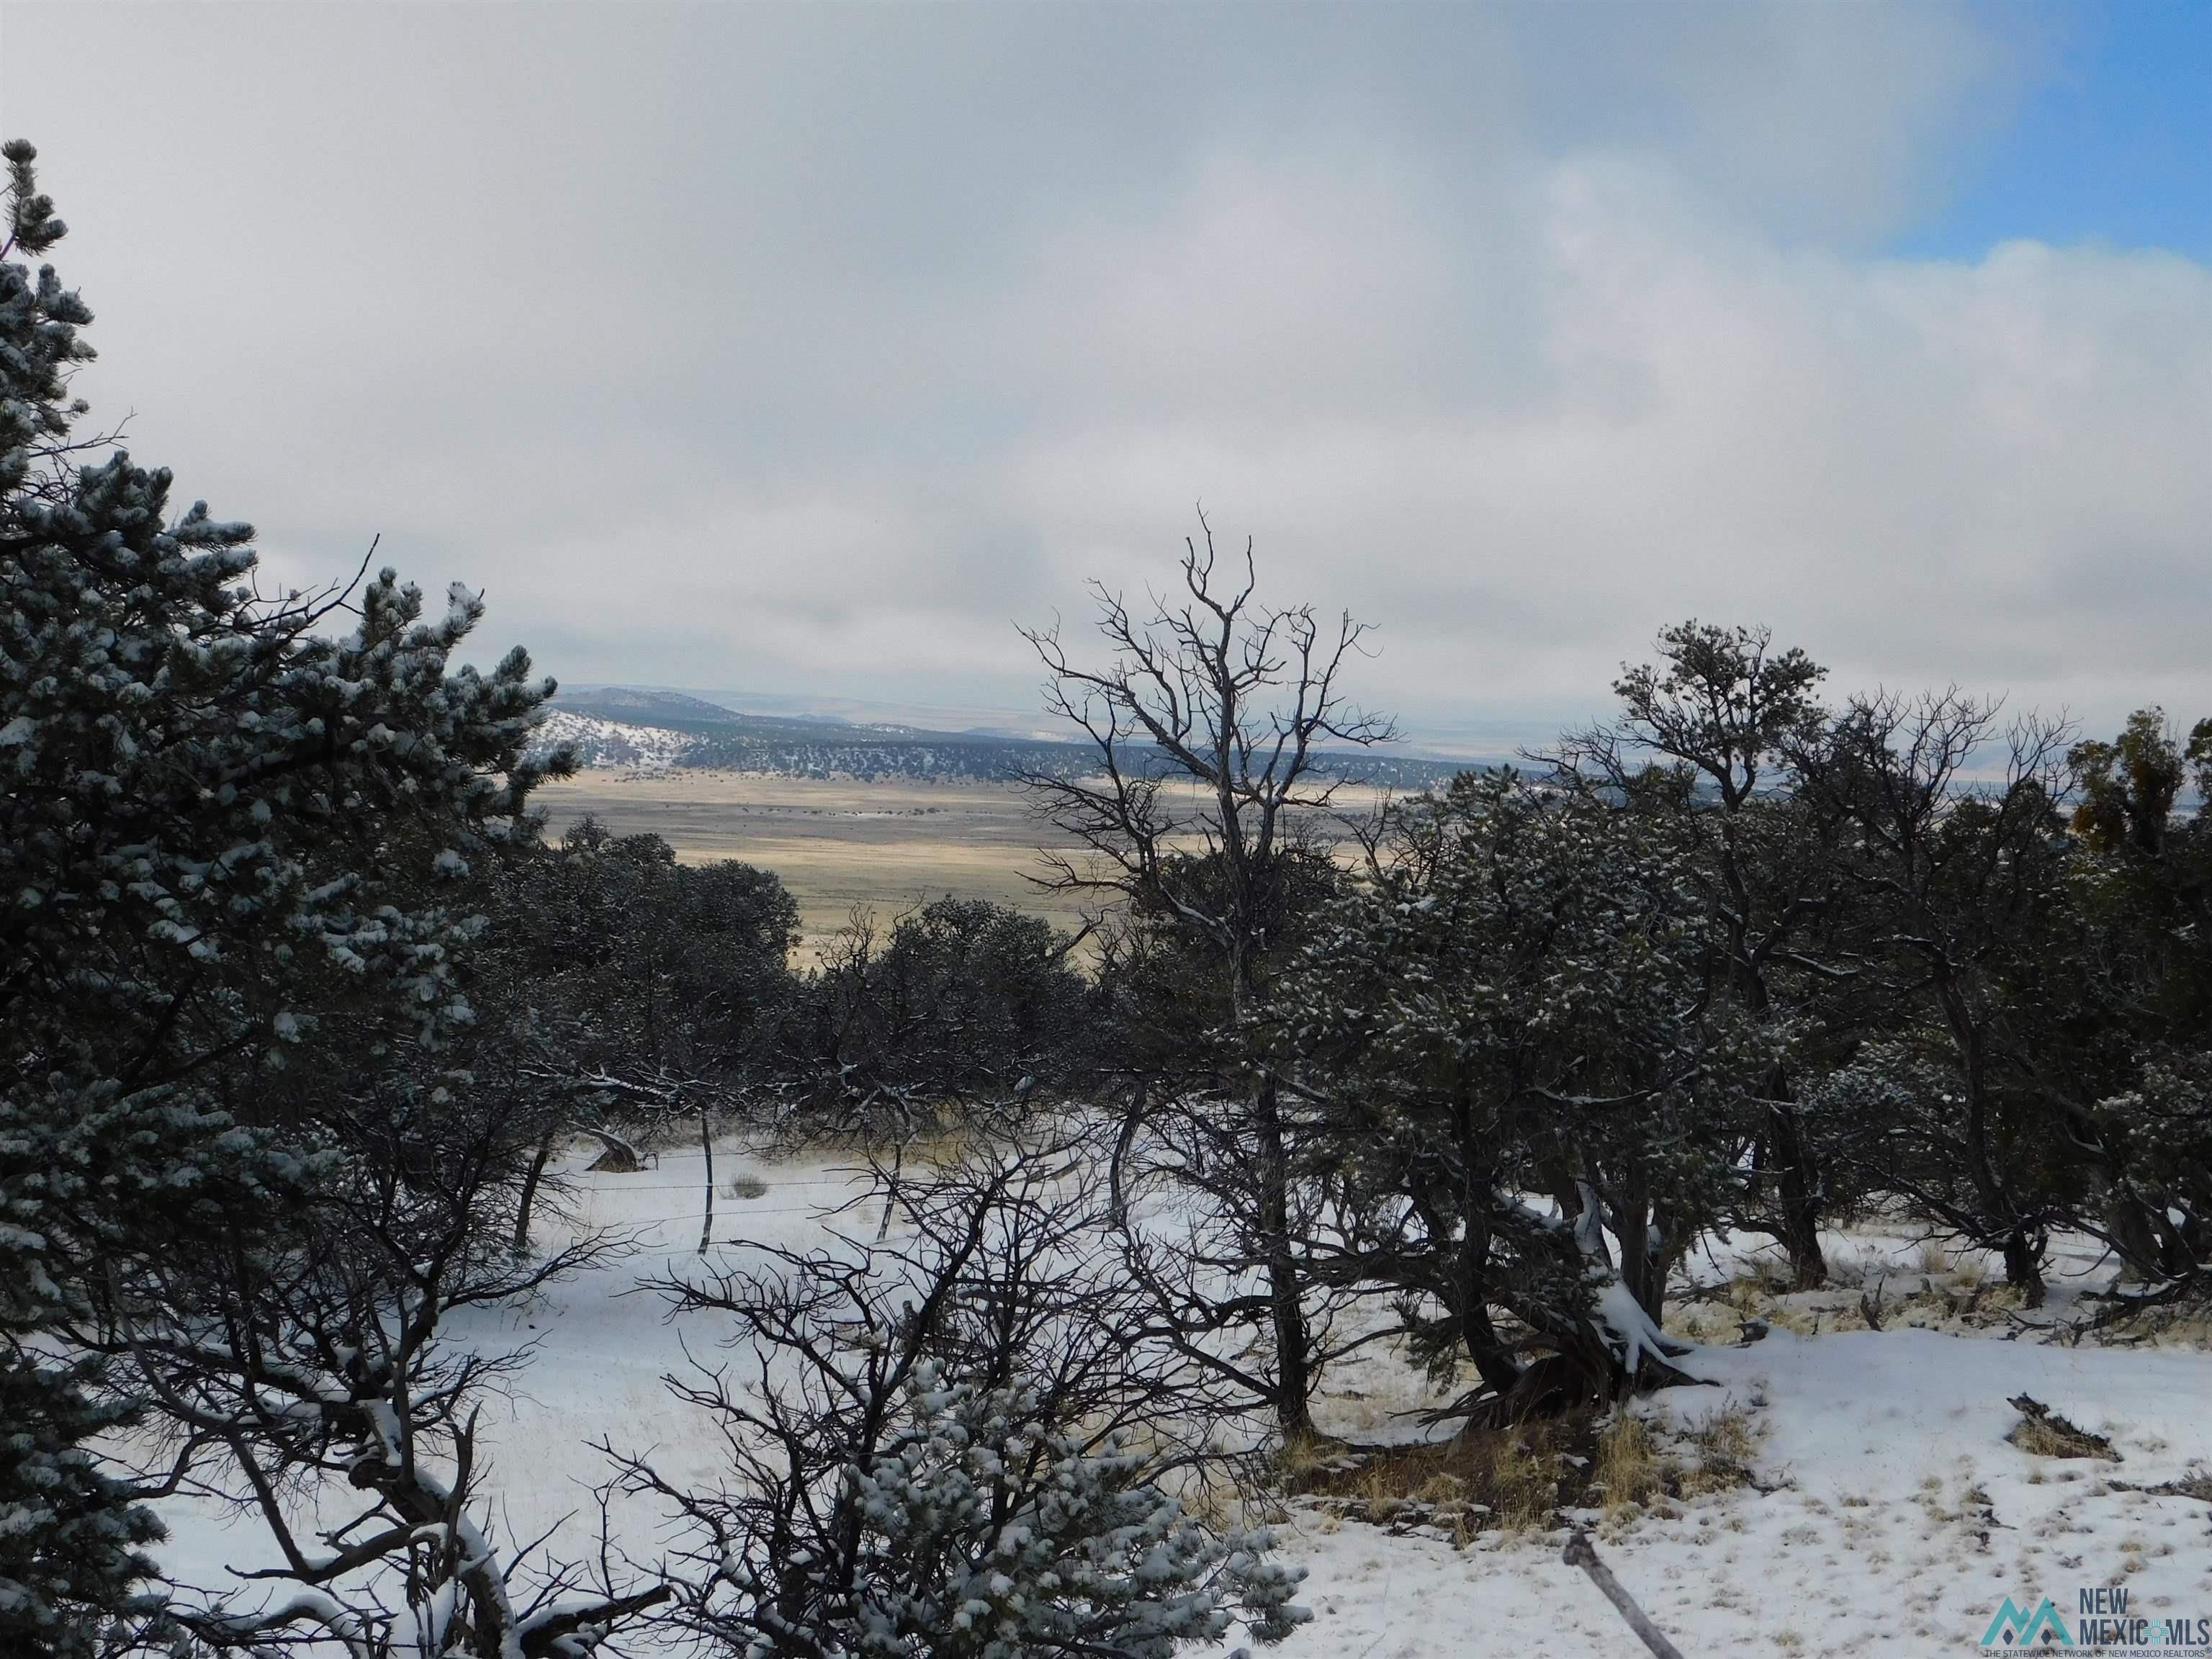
(1990, 471)
(808, 350)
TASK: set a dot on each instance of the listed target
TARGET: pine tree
(71, 1537)
(222, 829)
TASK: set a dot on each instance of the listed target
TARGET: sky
(806, 351)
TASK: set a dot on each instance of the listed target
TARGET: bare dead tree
(1212, 724)
(299, 1378)
(968, 1431)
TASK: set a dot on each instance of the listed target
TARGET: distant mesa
(624, 727)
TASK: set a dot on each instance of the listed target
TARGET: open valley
(835, 844)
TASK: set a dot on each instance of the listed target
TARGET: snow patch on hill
(611, 743)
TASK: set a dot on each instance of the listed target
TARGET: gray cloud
(805, 348)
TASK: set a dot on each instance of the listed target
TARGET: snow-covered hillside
(608, 742)
(1887, 1512)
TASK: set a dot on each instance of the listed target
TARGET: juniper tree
(1725, 712)
(1955, 884)
(1511, 1010)
(960, 1003)
(632, 988)
(2123, 1007)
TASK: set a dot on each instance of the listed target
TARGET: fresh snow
(1891, 1516)
(1897, 1518)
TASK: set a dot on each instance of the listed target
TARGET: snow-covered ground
(1895, 1517)
(1889, 1515)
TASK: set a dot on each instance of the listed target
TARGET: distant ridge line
(618, 726)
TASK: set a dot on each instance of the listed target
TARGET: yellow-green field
(834, 843)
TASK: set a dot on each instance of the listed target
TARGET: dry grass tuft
(1511, 1480)
(1528, 1471)
(1630, 1469)
(1760, 1281)
(746, 1186)
(2177, 1325)
(1700, 1322)
(2042, 1433)
(1726, 1445)
(1517, 1481)
(1307, 1462)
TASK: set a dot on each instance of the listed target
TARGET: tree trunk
(2023, 1262)
(1643, 1262)
(530, 1189)
(1499, 1365)
(1798, 1185)
(1500, 1369)
(1285, 1298)
(2143, 1250)
(1797, 1190)
(2022, 1249)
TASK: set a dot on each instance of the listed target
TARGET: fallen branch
(1581, 1553)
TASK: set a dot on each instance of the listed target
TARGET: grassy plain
(838, 843)
(835, 843)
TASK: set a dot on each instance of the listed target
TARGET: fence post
(707, 1146)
